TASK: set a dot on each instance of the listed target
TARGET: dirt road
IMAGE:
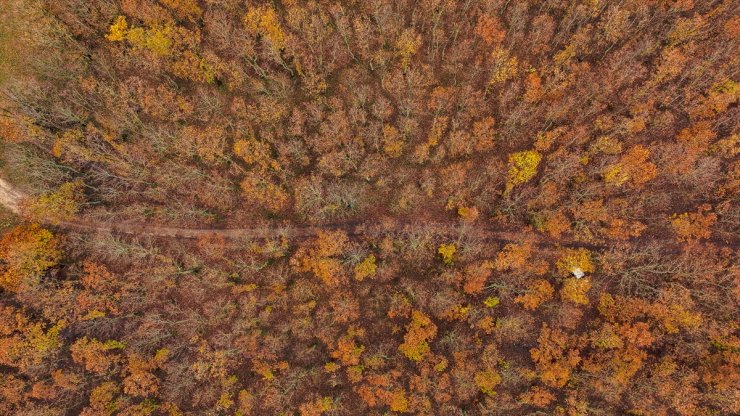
(12, 199)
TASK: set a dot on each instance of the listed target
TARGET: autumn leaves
(332, 259)
(26, 253)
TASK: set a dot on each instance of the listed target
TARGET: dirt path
(12, 199)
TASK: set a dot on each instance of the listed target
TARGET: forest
(378, 207)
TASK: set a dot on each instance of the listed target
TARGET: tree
(633, 168)
(26, 252)
(693, 226)
(574, 290)
(93, 354)
(347, 351)
(489, 29)
(419, 332)
(486, 381)
(184, 9)
(140, 381)
(505, 67)
(518, 256)
(392, 141)
(407, 44)
(319, 257)
(58, 206)
(264, 21)
(538, 397)
(575, 259)
(718, 99)
(555, 357)
(537, 293)
(263, 191)
(317, 407)
(158, 39)
(118, 30)
(447, 251)
(366, 268)
(534, 90)
(522, 168)
(476, 276)
(104, 400)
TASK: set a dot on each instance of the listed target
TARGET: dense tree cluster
(600, 137)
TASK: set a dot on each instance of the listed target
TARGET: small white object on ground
(577, 272)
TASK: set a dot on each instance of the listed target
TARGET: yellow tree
(447, 251)
(26, 252)
(419, 332)
(366, 268)
(574, 290)
(58, 206)
(522, 168)
(573, 260)
(264, 21)
(406, 46)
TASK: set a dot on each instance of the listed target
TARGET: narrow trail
(12, 199)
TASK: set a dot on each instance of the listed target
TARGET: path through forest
(12, 198)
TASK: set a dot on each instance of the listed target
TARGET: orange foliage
(692, 226)
(556, 223)
(533, 88)
(141, 380)
(94, 355)
(633, 168)
(554, 357)
(319, 257)
(538, 292)
(347, 351)
(264, 21)
(476, 277)
(513, 256)
(264, 192)
(489, 29)
(574, 290)
(518, 256)
(26, 252)
(184, 9)
(419, 332)
(692, 143)
(483, 134)
(538, 397)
